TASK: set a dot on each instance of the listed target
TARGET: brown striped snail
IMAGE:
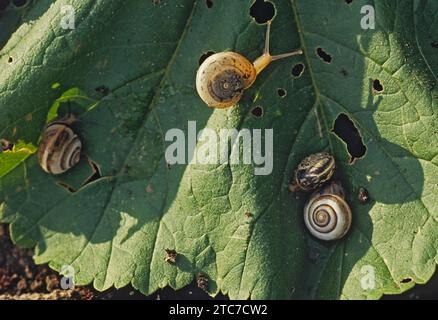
(60, 147)
(326, 214)
(222, 77)
(313, 171)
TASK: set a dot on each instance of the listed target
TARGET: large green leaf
(114, 230)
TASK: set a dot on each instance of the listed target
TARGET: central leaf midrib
(318, 105)
(151, 106)
(319, 102)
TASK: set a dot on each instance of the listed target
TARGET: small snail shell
(326, 214)
(314, 170)
(60, 147)
(222, 77)
(363, 195)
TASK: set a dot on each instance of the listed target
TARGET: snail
(313, 171)
(363, 195)
(60, 147)
(326, 214)
(222, 77)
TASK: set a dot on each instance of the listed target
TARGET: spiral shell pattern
(222, 78)
(60, 149)
(327, 216)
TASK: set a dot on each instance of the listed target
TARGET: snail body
(313, 171)
(222, 78)
(60, 147)
(326, 214)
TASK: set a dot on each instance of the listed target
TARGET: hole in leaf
(434, 44)
(202, 281)
(343, 72)
(10, 60)
(348, 1)
(204, 56)
(4, 4)
(103, 90)
(281, 92)
(377, 86)
(209, 3)
(324, 55)
(345, 129)
(298, 70)
(19, 3)
(66, 186)
(96, 173)
(262, 11)
(406, 280)
(257, 112)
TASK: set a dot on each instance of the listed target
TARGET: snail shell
(223, 77)
(314, 171)
(326, 214)
(60, 147)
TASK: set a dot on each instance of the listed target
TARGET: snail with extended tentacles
(222, 77)
(60, 147)
(326, 214)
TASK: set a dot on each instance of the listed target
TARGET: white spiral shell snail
(222, 77)
(326, 214)
(60, 147)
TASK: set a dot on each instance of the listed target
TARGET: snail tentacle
(222, 77)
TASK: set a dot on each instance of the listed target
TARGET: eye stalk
(266, 58)
(223, 77)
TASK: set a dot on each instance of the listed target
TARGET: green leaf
(12, 158)
(113, 216)
(12, 17)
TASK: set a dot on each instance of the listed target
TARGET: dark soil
(20, 278)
